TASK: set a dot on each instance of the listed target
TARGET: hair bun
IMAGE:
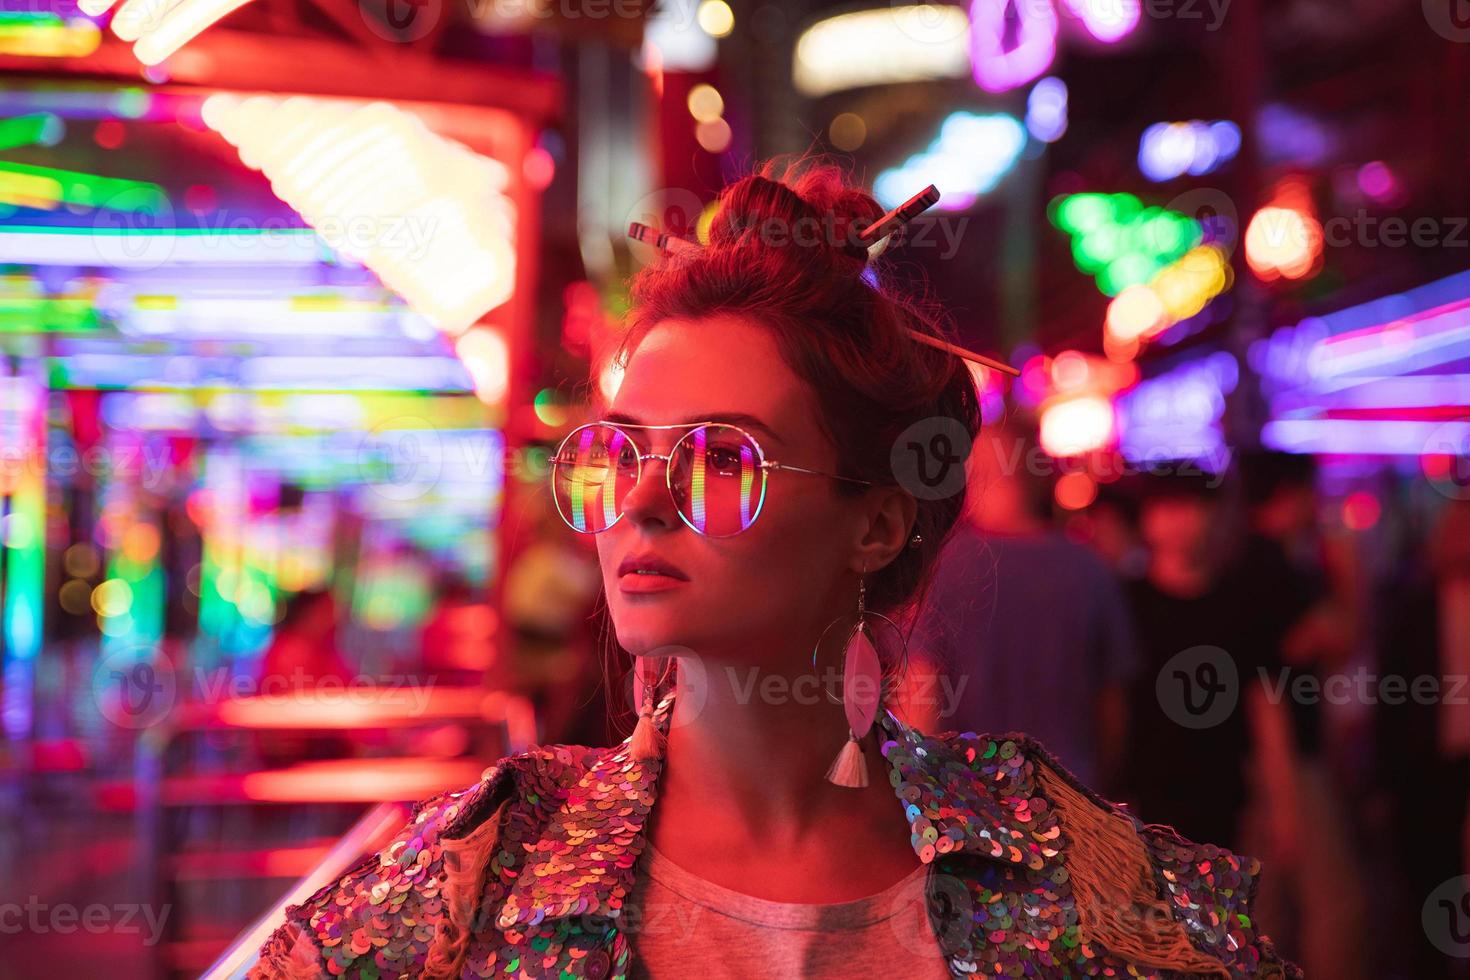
(828, 219)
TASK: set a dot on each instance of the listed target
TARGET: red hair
(782, 251)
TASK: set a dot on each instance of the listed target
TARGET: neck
(748, 750)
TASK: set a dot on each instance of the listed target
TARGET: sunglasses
(716, 474)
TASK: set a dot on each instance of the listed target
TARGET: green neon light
(40, 314)
(1119, 241)
(45, 128)
(91, 190)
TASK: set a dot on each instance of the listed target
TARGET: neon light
(1076, 425)
(90, 190)
(1288, 135)
(997, 65)
(1376, 180)
(715, 18)
(1169, 150)
(747, 483)
(1046, 110)
(1119, 241)
(1375, 437)
(1282, 243)
(158, 35)
(26, 191)
(43, 128)
(23, 545)
(78, 101)
(46, 35)
(674, 41)
(148, 249)
(1179, 291)
(697, 480)
(485, 355)
(433, 218)
(578, 480)
(1108, 21)
(968, 158)
(1284, 238)
(883, 46)
(608, 490)
(1178, 414)
(1448, 394)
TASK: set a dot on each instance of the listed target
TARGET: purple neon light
(1030, 27)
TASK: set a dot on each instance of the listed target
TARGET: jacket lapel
(958, 793)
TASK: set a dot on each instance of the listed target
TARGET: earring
(647, 741)
(862, 680)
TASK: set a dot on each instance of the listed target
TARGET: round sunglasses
(715, 473)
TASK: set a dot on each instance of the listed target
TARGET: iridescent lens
(717, 479)
(593, 471)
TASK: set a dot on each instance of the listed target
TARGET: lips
(634, 564)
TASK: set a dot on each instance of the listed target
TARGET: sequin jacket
(1031, 875)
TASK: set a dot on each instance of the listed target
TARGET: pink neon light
(998, 67)
(1108, 21)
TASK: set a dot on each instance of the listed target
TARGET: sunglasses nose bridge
(635, 502)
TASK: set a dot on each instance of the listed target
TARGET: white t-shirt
(681, 925)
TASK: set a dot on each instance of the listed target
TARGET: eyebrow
(741, 419)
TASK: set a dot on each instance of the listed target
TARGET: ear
(890, 519)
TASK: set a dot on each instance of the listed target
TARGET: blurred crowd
(1213, 650)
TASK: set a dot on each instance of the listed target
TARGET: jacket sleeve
(1211, 891)
(289, 954)
(1154, 897)
(404, 911)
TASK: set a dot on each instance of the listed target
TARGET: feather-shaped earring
(862, 693)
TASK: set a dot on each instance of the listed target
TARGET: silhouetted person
(1035, 625)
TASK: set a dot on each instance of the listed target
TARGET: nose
(648, 502)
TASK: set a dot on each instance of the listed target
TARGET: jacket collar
(959, 793)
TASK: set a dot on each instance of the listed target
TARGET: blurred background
(297, 297)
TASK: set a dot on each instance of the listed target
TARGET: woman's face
(783, 576)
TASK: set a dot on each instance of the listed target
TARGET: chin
(641, 639)
(648, 631)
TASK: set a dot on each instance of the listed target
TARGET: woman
(736, 585)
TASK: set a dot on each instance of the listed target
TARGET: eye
(627, 457)
(725, 460)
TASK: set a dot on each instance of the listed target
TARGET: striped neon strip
(579, 476)
(610, 502)
(747, 483)
(696, 480)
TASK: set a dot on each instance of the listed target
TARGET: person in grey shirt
(1033, 629)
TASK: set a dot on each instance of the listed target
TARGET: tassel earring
(647, 741)
(862, 679)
